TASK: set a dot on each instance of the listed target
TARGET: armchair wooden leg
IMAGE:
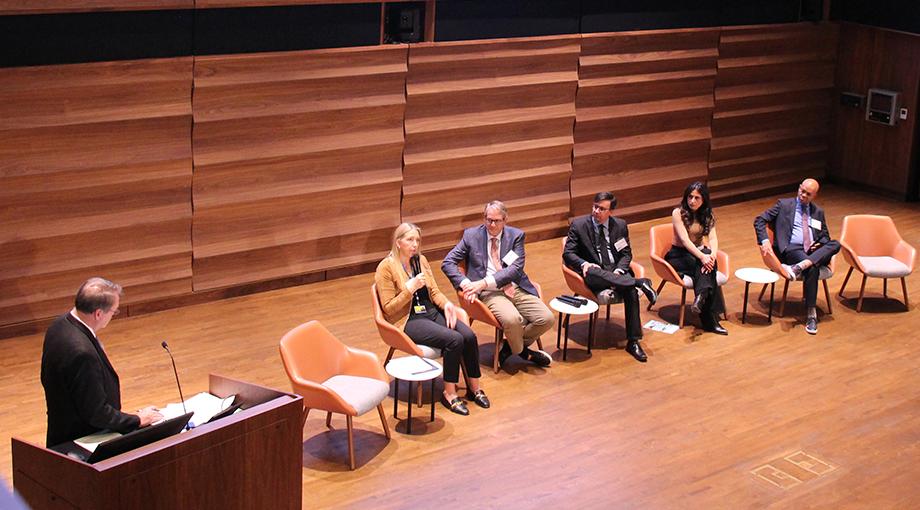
(608, 312)
(904, 290)
(303, 419)
(845, 280)
(466, 378)
(329, 419)
(683, 301)
(862, 289)
(827, 296)
(498, 344)
(383, 420)
(782, 304)
(885, 288)
(351, 444)
(649, 307)
(389, 356)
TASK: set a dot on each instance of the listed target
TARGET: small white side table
(413, 369)
(566, 312)
(757, 275)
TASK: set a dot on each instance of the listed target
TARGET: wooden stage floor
(766, 417)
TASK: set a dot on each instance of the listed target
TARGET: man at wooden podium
(82, 390)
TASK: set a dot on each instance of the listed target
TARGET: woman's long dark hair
(703, 215)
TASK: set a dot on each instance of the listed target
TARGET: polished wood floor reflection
(765, 417)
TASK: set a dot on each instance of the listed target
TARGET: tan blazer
(395, 298)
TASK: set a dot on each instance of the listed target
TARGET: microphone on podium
(176, 372)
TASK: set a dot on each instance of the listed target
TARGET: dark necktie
(602, 247)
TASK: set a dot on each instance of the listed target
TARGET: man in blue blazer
(801, 242)
(494, 256)
(81, 387)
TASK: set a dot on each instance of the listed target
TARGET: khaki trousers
(523, 318)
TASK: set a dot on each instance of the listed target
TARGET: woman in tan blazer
(410, 299)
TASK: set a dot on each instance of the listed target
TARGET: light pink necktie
(497, 262)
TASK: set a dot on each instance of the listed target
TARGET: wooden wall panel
(773, 96)
(642, 117)
(52, 6)
(865, 153)
(489, 120)
(297, 162)
(77, 143)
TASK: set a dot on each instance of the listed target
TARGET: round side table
(566, 312)
(757, 275)
(413, 369)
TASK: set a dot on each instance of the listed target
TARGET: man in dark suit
(494, 256)
(801, 242)
(82, 390)
(598, 247)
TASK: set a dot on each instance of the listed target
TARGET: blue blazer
(781, 216)
(473, 250)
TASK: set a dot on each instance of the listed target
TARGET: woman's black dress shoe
(479, 398)
(456, 406)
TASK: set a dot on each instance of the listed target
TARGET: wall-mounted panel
(772, 113)
(77, 143)
(485, 121)
(297, 162)
(643, 113)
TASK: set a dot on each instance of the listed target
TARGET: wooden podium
(252, 459)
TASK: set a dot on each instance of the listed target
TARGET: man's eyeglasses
(499, 221)
(600, 208)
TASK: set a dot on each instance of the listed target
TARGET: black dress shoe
(504, 353)
(456, 406)
(479, 398)
(698, 303)
(538, 357)
(645, 285)
(716, 328)
(635, 350)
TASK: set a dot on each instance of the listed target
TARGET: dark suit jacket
(473, 249)
(781, 216)
(81, 387)
(581, 244)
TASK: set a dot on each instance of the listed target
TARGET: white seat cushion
(721, 278)
(429, 352)
(362, 393)
(884, 267)
(610, 297)
(824, 273)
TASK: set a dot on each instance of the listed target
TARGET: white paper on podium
(91, 441)
(204, 405)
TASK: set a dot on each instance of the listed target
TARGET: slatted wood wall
(772, 113)
(643, 113)
(95, 179)
(304, 162)
(297, 162)
(489, 120)
(54, 6)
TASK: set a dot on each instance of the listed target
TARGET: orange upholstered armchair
(478, 311)
(873, 245)
(333, 377)
(773, 264)
(399, 341)
(660, 237)
(576, 283)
